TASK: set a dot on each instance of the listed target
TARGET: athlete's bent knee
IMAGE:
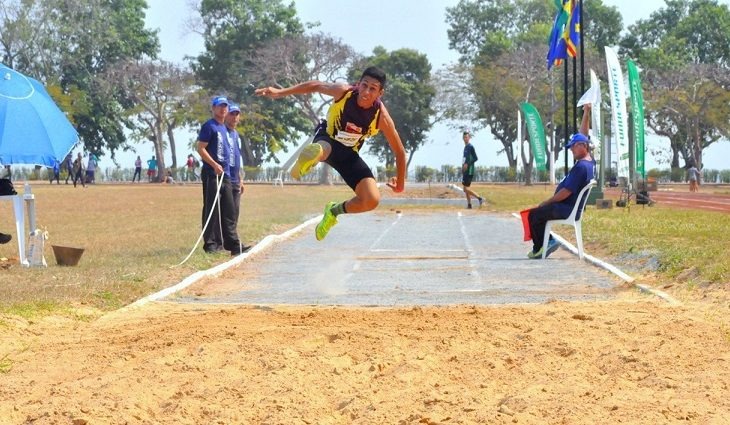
(371, 202)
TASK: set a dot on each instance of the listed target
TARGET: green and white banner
(537, 134)
(618, 106)
(637, 111)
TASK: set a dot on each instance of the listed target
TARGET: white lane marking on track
(469, 250)
(416, 250)
(358, 263)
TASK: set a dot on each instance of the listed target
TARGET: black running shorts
(466, 179)
(345, 160)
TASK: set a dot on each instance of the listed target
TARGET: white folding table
(20, 201)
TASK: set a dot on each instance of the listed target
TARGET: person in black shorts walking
(467, 168)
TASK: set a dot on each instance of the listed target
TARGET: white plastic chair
(279, 180)
(571, 220)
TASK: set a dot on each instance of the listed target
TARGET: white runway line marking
(470, 251)
(415, 250)
(358, 262)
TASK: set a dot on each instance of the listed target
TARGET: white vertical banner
(618, 117)
(596, 130)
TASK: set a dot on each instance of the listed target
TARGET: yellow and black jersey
(350, 124)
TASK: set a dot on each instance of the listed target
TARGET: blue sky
(393, 24)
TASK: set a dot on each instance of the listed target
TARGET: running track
(687, 200)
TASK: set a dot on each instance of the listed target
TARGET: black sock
(339, 209)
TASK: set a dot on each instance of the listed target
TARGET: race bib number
(347, 139)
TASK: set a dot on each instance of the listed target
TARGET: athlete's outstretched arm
(387, 126)
(335, 90)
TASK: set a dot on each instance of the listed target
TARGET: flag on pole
(637, 111)
(557, 50)
(572, 32)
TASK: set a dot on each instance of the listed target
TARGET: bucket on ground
(66, 255)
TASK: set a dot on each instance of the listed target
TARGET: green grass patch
(32, 309)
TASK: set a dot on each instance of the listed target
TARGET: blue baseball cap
(577, 138)
(219, 100)
(233, 107)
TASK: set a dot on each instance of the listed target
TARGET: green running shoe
(532, 255)
(329, 220)
(307, 159)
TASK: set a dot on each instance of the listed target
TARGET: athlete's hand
(271, 92)
(393, 184)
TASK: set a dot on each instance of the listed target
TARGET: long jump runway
(414, 258)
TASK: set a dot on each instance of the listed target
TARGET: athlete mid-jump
(356, 114)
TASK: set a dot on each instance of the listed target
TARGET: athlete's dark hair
(375, 72)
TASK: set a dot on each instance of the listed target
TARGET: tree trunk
(527, 163)
(160, 152)
(173, 151)
(248, 158)
(675, 157)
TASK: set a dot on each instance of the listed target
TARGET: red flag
(525, 214)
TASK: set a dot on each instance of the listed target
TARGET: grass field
(134, 235)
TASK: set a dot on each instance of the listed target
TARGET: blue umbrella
(33, 130)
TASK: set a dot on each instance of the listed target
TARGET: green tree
(162, 93)
(408, 97)
(684, 50)
(233, 31)
(505, 44)
(69, 46)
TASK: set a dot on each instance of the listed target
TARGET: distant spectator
(78, 170)
(191, 164)
(137, 169)
(55, 172)
(91, 169)
(68, 165)
(694, 178)
(151, 168)
(168, 177)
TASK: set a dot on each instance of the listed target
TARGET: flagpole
(582, 56)
(575, 98)
(597, 192)
(565, 111)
